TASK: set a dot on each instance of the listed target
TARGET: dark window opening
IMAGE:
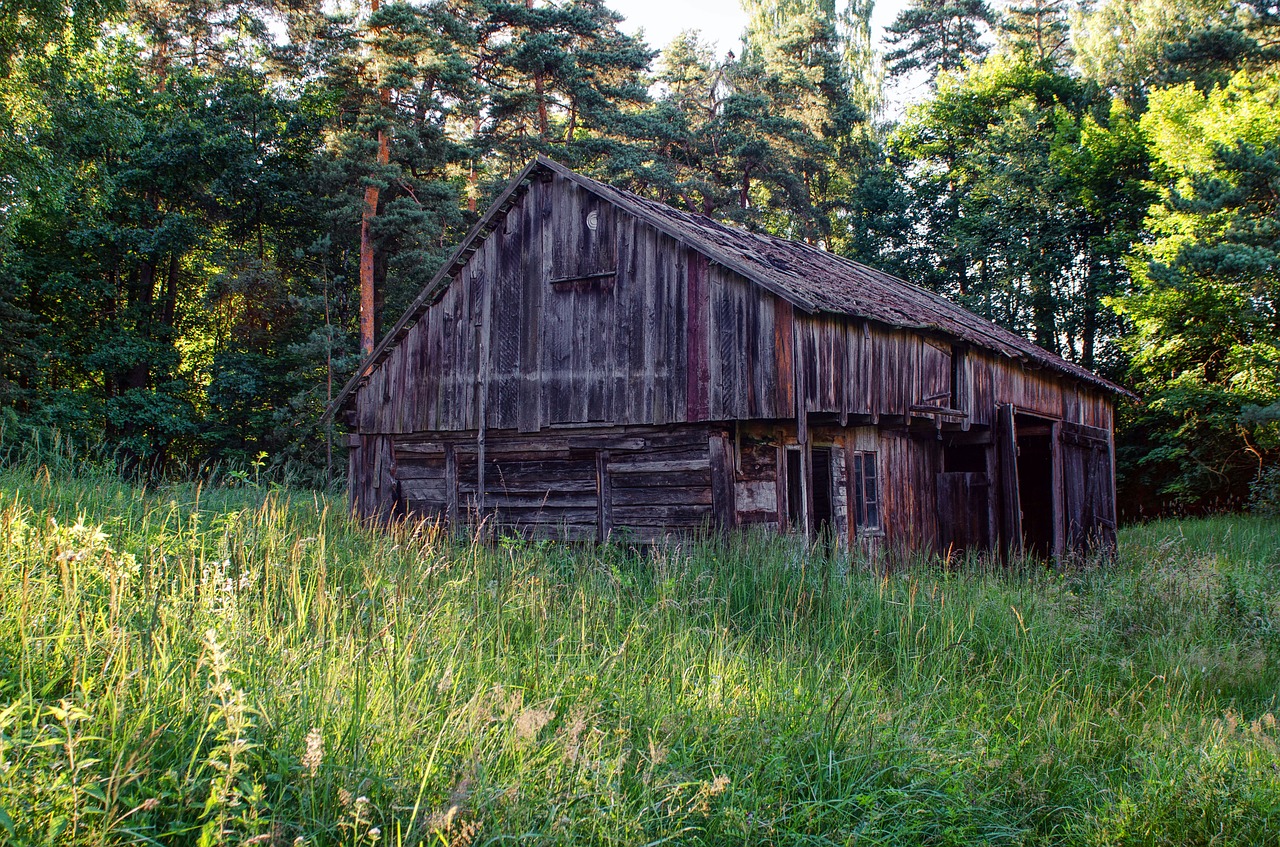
(822, 510)
(964, 458)
(795, 490)
(866, 492)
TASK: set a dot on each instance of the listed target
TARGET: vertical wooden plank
(784, 514)
(699, 373)
(784, 353)
(617, 372)
(676, 329)
(533, 290)
(355, 472)
(648, 282)
(604, 497)
(850, 491)
(1059, 507)
(1010, 502)
(724, 510)
(451, 483)
(750, 351)
(633, 363)
(800, 390)
(663, 262)
(484, 356)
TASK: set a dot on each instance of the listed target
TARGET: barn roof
(813, 280)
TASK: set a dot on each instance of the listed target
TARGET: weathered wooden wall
(620, 381)
(550, 322)
(635, 483)
(371, 475)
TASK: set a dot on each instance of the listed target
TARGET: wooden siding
(554, 323)
(585, 375)
(629, 483)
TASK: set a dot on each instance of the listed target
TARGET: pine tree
(560, 79)
(932, 36)
(1038, 31)
(735, 149)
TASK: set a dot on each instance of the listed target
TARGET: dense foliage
(196, 196)
(188, 665)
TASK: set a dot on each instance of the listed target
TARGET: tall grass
(232, 666)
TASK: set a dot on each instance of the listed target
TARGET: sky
(723, 22)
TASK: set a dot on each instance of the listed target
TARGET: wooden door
(962, 512)
(1089, 502)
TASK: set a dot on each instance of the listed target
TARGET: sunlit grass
(186, 665)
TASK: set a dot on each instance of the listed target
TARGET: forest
(196, 196)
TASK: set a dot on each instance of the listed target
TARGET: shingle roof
(811, 279)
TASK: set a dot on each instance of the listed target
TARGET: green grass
(165, 653)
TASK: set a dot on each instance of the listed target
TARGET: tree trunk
(1089, 332)
(538, 85)
(370, 213)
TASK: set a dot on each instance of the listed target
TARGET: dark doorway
(1035, 484)
(822, 511)
(795, 490)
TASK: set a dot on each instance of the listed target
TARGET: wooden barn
(591, 365)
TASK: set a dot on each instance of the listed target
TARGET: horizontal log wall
(628, 483)
(646, 484)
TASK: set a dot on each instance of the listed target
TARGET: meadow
(229, 664)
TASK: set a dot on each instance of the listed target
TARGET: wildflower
(150, 804)
(314, 755)
(374, 833)
(344, 797)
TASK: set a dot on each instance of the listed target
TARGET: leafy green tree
(1027, 192)
(1206, 313)
(1123, 45)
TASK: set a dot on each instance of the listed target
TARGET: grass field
(224, 666)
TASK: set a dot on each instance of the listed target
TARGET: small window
(866, 492)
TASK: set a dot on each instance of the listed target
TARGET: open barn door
(1086, 481)
(1010, 501)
